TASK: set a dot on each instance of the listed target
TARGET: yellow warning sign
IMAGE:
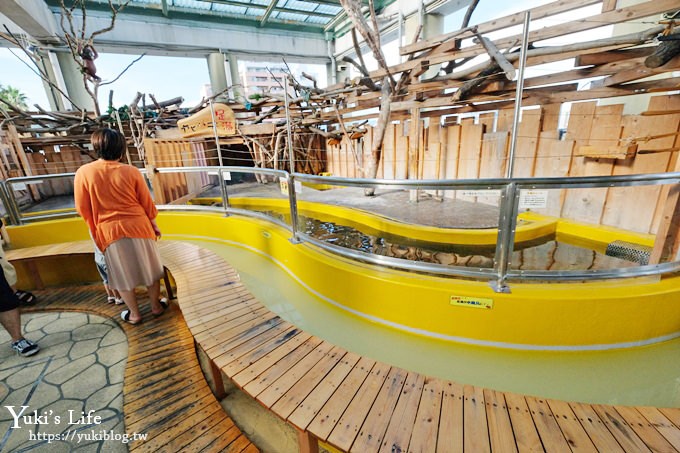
(474, 302)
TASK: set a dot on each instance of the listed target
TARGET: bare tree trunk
(379, 135)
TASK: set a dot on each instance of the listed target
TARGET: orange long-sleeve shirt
(114, 201)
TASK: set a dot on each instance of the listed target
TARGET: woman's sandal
(111, 299)
(164, 303)
(24, 296)
(125, 315)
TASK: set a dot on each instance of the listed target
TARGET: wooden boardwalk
(165, 393)
(358, 404)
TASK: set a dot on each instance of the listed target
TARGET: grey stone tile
(110, 355)
(53, 340)
(90, 331)
(36, 321)
(71, 369)
(114, 337)
(86, 382)
(107, 396)
(64, 324)
(117, 372)
(83, 348)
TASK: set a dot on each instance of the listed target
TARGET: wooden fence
(177, 187)
(597, 142)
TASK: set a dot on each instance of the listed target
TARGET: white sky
(168, 77)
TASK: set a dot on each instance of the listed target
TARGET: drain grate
(629, 251)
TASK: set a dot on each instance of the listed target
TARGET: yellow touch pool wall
(569, 316)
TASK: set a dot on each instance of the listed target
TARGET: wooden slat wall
(176, 153)
(473, 149)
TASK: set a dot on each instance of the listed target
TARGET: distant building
(263, 79)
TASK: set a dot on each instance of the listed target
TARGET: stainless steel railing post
(507, 223)
(292, 200)
(223, 188)
(10, 207)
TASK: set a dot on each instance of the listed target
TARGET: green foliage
(14, 96)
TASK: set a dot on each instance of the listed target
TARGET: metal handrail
(509, 191)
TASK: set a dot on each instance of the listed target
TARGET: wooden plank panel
(389, 152)
(274, 370)
(424, 438)
(500, 426)
(450, 435)
(470, 151)
(401, 152)
(430, 163)
(268, 345)
(587, 205)
(672, 414)
(451, 155)
(319, 397)
(302, 386)
(494, 156)
(618, 210)
(551, 117)
(526, 435)
(225, 359)
(329, 415)
(595, 427)
(553, 158)
(487, 120)
(185, 431)
(402, 421)
(547, 427)
(375, 425)
(261, 364)
(577, 437)
(662, 424)
(625, 436)
(645, 430)
(475, 425)
(527, 142)
(347, 428)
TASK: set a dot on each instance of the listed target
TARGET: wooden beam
(494, 53)
(612, 56)
(667, 242)
(608, 5)
(636, 73)
(653, 86)
(498, 24)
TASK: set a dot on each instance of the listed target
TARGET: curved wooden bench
(165, 394)
(358, 404)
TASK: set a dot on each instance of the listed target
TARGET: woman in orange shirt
(114, 200)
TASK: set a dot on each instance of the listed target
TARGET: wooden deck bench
(358, 404)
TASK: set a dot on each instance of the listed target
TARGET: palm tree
(14, 96)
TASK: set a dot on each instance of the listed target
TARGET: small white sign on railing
(536, 199)
(480, 193)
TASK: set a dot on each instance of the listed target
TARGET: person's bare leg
(130, 299)
(11, 321)
(155, 296)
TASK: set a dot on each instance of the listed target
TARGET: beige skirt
(133, 262)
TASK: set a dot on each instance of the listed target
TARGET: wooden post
(413, 150)
(19, 150)
(667, 243)
(307, 443)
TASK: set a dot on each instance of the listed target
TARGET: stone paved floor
(79, 369)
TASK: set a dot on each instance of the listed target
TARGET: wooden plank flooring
(355, 403)
(165, 394)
